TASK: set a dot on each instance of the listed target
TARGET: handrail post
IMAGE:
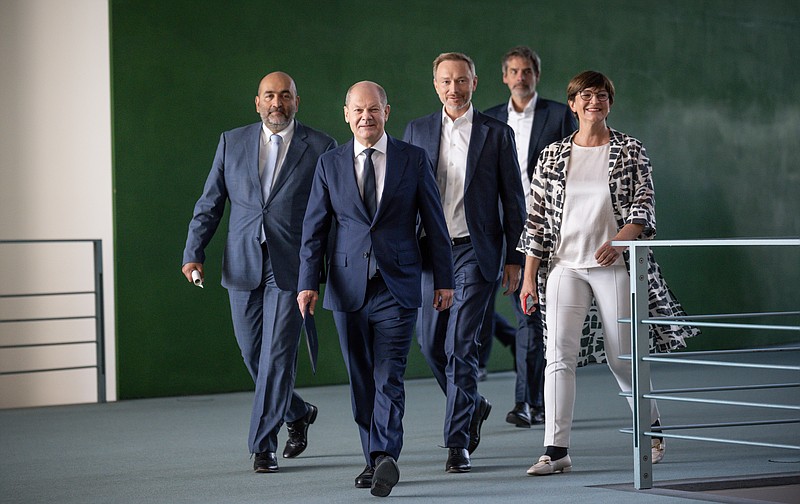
(640, 368)
(99, 320)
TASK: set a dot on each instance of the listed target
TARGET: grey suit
(261, 278)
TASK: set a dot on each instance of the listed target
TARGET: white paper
(197, 279)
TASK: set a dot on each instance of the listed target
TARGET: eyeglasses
(586, 95)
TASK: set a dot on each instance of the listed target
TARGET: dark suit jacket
(234, 177)
(409, 190)
(552, 121)
(492, 176)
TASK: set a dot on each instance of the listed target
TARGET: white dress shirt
(378, 161)
(451, 171)
(522, 124)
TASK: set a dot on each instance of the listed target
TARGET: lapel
(296, 149)
(617, 143)
(396, 164)
(503, 117)
(476, 141)
(346, 178)
(251, 145)
(433, 136)
(540, 113)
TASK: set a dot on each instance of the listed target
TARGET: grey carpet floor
(193, 449)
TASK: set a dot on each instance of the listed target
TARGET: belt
(460, 241)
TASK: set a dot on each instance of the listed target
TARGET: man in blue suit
(478, 177)
(375, 188)
(264, 170)
(536, 122)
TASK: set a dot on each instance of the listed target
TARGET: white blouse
(588, 220)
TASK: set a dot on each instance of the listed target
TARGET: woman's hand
(528, 295)
(607, 255)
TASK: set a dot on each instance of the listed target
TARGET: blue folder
(311, 339)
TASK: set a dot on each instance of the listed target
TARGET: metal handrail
(98, 316)
(640, 353)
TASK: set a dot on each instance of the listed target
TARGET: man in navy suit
(536, 122)
(478, 177)
(375, 188)
(264, 170)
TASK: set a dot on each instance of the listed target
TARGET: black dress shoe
(480, 414)
(298, 433)
(537, 416)
(457, 461)
(364, 480)
(520, 415)
(385, 477)
(265, 462)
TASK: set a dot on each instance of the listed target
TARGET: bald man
(265, 171)
(375, 188)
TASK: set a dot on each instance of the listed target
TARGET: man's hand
(307, 299)
(511, 276)
(189, 267)
(442, 299)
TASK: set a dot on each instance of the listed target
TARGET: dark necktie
(370, 196)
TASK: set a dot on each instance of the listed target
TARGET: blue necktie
(273, 150)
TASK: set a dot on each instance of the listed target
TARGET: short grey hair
(381, 93)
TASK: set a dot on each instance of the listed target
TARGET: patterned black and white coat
(630, 184)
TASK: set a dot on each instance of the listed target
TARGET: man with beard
(476, 168)
(536, 122)
(265, 171)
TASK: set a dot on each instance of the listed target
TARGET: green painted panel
(710, 87)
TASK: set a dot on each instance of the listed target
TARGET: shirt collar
(528, 108)
(286, 133)
(379, 146)
(468, 115)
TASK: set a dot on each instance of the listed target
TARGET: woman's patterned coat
(632, 199)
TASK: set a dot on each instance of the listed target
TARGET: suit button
(366, 255)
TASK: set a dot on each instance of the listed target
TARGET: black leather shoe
(298, 433)
(265, 462)
(480, 414)
(385, 477)
(457, 461)
(520, 415)
(537, 416)
(364, 480)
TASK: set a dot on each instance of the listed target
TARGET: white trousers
(569, 295)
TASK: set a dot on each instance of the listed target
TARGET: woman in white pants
(589, 189)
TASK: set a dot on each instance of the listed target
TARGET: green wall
(710, 87)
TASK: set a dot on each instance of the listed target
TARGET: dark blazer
(234, 177)
(492, 176)
(552, 121)
(409, 190)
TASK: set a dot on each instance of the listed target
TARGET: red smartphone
(528, 306)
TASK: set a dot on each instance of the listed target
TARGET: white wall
(55, 183)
